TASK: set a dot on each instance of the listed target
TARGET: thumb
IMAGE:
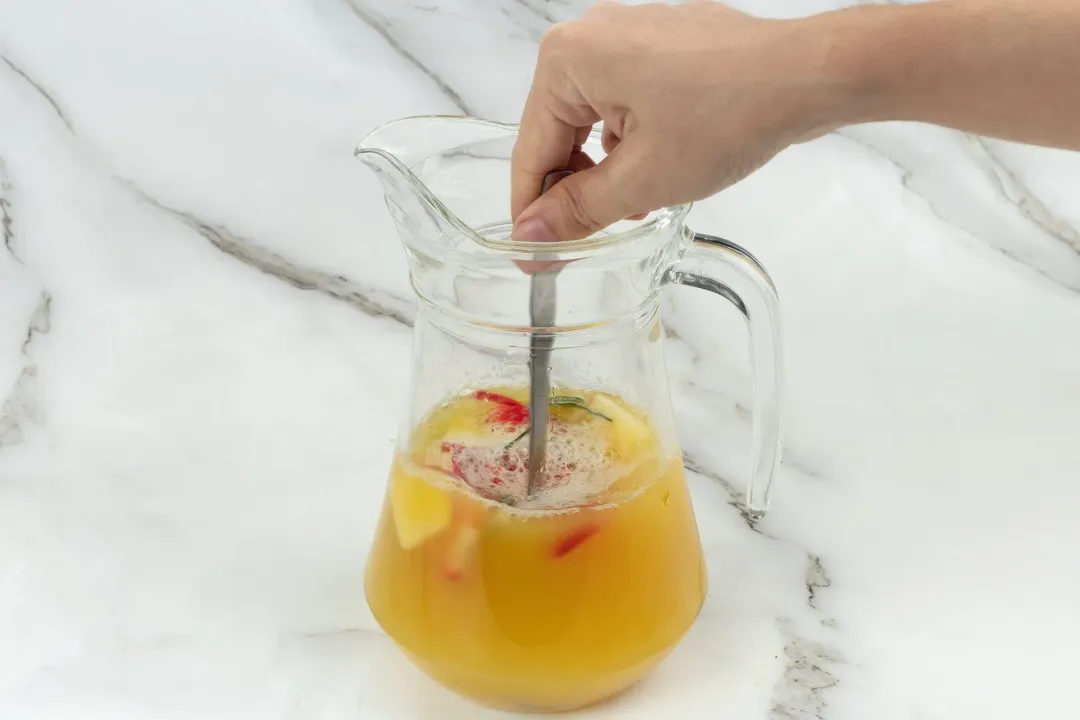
(583, 203)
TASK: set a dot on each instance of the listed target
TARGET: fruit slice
(461, 551)
(454, 451)
(638, 472)
(506, 410)
(569, 542)
(492, 471)
(468, 517)
(628, 431)
(421, 508)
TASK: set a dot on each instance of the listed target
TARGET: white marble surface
(202, 304)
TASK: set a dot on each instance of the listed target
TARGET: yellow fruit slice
(421, 508)
(629, 433)
(639, 473)
(466, 538)
(469, 516)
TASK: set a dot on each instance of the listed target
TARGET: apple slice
(422, 509)
(629, 432)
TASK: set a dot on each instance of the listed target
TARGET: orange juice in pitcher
(555, 586)
(542, 601)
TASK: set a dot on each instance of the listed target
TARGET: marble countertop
(202, 304)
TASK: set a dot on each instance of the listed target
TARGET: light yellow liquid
(543, 602)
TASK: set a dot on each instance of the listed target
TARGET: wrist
(825, 57)
(873, 61)
(998, 68)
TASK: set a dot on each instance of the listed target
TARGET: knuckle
(557, 37)
(575, 207)
(601, 8)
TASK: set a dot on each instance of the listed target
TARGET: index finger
(544, 143)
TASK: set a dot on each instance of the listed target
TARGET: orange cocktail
(545, 600)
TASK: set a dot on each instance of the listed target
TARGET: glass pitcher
(560, 596)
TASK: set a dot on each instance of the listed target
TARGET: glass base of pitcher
(494, 692)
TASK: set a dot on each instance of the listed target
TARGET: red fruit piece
(495, 397)
(571, 540)
(478, 470)
(507, 410)
(455, 450)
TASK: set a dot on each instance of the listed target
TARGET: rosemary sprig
(562, 401)
(571, 401)
(521, 435)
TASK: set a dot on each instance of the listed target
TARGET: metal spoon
(541, 315)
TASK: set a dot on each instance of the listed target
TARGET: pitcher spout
(415, 212)
(427, 192)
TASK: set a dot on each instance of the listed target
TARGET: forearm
(1003, 68)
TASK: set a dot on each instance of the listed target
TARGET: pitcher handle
(724, 268)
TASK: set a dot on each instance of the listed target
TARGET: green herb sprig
(563, 401)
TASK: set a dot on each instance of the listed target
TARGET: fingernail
(533, 230)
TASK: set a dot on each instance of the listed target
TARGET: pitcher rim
(595, 241)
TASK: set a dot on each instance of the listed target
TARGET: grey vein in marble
(792, 460)
(45, 94)
(735, 498)
(6, 229)
(539, 18)
(374, 303)
(1027, 203)
(532, 34)
(816, 579)
(21, 405)
(538, 12)
(1009, 188)
(383, 28)
(799, 692)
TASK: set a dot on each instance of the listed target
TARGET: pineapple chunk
(422, 508)
(629, 433)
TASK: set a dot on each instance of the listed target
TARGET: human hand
(693, 98)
